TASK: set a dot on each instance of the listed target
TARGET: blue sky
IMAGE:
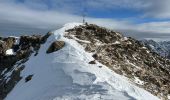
(136, 18)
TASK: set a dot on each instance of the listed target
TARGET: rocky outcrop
(92, 62)
(7, 84)
(126, 56)
(55, 46)
(6, 43)
(24, 47)
(45, 37)
(28, 78)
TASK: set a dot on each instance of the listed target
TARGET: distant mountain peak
(160, 47)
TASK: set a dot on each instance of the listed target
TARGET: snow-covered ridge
(67, 75)
(126, 56)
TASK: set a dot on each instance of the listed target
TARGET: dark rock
(15, 48)
(100, 66)
(7, 86)
(55, 46)
(28, 78)
(1, 38)
(30, 40)
(45, 37)
(95, 56)
(92, 62)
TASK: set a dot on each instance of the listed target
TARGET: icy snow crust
(66, 75)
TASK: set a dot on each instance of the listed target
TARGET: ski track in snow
(66, 75)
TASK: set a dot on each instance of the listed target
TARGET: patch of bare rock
(55, 46)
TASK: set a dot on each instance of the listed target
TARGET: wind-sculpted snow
(67, 75)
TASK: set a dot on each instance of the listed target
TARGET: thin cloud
(147, 8)
(23, 18)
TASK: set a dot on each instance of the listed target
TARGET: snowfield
(66, 75)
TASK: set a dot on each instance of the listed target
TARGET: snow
(66, 75)
(158, 39)
(116, 42)
(4, 71)
(144, 48)
(10, 52)
(125, 38)
(138, 81)
(17, 41)
(1, 41)
(127, 61)
(84, 41)
(160, 47)
(169, 96)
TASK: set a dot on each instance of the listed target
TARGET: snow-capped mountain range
(81, 62)
(160, 47)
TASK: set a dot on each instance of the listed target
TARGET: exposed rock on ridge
(125, 56)
(55, 46)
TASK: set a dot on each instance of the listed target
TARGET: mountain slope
(67, 74)
(125, 56)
